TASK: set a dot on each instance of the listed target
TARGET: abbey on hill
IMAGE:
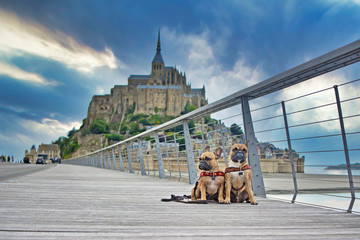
(164, 91)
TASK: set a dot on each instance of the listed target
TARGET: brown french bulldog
(210, 185)
(238, 176)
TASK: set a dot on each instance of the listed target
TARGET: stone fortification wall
(90, 143)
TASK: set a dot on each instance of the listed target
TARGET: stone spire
(158, 58)
(158, 48)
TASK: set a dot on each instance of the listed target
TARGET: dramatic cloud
(322, 98)
(19, 35)
(29, 132)
(53, 129)
(18, 74)
(205, 68)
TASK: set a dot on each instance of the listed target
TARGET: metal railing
(171, 150)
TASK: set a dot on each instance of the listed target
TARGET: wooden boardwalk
(76, 202)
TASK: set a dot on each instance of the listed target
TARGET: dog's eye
(244, 150)
(207, 158)
(235, 149)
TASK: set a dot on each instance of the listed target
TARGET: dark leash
(186, 199)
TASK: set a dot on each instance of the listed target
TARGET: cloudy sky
(55, 55)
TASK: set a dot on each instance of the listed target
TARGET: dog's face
(207, 160)
(239, 153)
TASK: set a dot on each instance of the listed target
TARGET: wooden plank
(67, 202)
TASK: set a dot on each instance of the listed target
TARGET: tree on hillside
(188, 108)
(114, 137)
(71, 132)
(99, 126)
(134, 128)
(236, 129)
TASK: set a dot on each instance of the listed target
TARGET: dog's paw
(227, 201)
(254, 203)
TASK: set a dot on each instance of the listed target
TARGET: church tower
(158, 66)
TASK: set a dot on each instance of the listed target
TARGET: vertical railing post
(104, 159)
(147, 155)
(159, 156)
(114, 159)
(223, 142)
(101, 160)
(152, 158)
(254, 160)
(122, 169)
(291, 155)
(346, 150)
(148, 145)
(189, 154)
(141, 157)
(137, 158)
(177, 156)
(129, 158)
(202, 137)
(167, 156)
(109, 161)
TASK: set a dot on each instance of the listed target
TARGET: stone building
(164, 91)
(275, 160)
(32, 155)
(51, 150)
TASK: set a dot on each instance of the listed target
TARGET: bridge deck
(68, 202)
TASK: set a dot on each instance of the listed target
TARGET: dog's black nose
(238, 157)
(203, 165)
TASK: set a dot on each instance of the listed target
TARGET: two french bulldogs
(234, 183)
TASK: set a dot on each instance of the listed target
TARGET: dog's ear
(217, 152)
(207, 149)
(234, 141)
(246, 143)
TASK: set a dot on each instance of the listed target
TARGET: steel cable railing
(167, 155)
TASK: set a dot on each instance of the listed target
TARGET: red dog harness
(237, 169)
(215, 174)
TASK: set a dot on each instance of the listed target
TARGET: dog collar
(237, 169)
(215, 174)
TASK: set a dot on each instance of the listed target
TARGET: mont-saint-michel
(164, 91)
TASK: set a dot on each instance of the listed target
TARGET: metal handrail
(336, 59)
